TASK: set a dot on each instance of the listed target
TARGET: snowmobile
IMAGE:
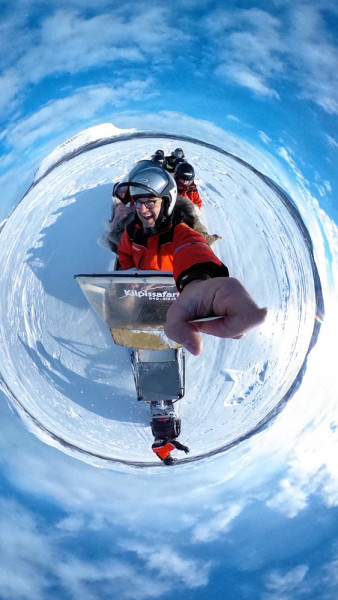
(134, 304)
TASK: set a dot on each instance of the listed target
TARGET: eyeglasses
(147, 203)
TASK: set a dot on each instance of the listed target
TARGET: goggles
(128, 191)
(184, 182)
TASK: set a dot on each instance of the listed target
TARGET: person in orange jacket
(184, 177)
(163, 449)
(157, 239)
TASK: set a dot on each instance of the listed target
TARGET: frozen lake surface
(60, 367)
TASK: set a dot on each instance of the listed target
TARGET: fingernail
(191, 347)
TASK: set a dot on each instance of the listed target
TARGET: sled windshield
(130, 299)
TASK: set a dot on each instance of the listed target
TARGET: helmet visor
(127, 190)
(121, 191)
(184, 181)
(178, 153)
(147, 179)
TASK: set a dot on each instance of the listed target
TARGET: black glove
(186, 449)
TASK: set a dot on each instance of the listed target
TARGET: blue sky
(268, 75)
(65, 66)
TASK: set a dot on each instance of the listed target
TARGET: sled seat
(166, 427)
(158, 375)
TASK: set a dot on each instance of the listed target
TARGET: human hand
(225, 297)
(121, 211)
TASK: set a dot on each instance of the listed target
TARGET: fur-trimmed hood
(184, 211)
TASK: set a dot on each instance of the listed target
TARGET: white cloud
(332, 141)
(303, 581)
(264, 137)
(286, 154)
(249, 48)
(301, 183)
(67, 42)
(170, 565)
(100, 513)
(261, 51)
(78, 108)
(9, 86)
(331, 573)
(247, 78)
(25, 554)
(220, 523)
(233, 118)
(35, 558)
(315, 56)
(128, 581)
(324, 188)
(290, 499)
(253, 48)
(285, 586)
(312, 470)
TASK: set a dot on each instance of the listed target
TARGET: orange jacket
(164, 450)
(176, 249)
(192, 193)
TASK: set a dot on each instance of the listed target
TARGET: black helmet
(148, 179)
(169, 460)
(160, 152)
(184, 171)
(178, 153)
(159, 159)
(177, 161)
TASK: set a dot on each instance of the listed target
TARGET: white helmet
(148, 179)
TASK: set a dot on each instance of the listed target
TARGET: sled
(134, 305)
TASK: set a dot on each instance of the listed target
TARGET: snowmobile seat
(166, 427)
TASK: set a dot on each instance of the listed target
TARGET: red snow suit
(192, 193)
(163, 450)
(176, 248)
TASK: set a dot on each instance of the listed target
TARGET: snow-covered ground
(69, 382)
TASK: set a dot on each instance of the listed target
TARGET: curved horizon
(260, 84)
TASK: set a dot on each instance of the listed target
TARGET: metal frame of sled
(154, 367)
